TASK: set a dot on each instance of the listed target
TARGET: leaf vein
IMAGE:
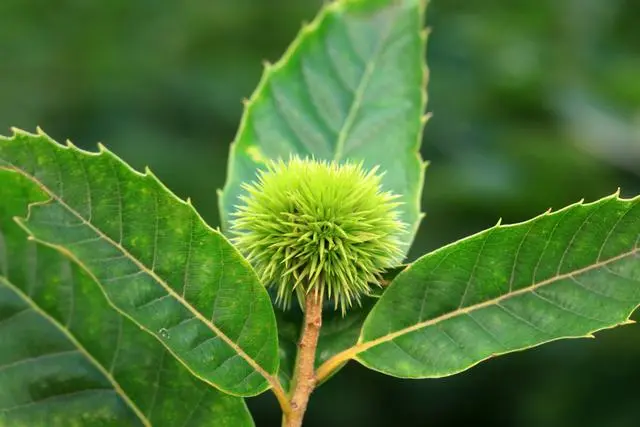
(610, 233)
(116, 352)
(58, 397)
(568, 310)
(356, 104)
(366, 345)
(575, 234)
(549, 240)
(116, 386)
(522, 319)
(593, 291)
(38, 358)
(475, 266)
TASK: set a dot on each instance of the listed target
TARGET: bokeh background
(536, 104)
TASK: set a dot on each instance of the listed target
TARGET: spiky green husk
(321, 227)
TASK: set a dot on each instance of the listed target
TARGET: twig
(304, 378)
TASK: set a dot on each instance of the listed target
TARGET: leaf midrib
(273, 382)
(116, 386)
(353, 352)
(356, 103)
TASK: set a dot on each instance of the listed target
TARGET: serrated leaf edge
(272, 381)
(306, 31)
(352, 353)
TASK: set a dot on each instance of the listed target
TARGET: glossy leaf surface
(351, 86)
(68, 358)
(561, 275)
(156, 260)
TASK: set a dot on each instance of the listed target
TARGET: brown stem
(304, 377)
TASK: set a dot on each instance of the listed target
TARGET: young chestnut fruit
(316, 226)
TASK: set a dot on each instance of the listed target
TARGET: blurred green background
(536, 104)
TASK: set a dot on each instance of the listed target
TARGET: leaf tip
(617, 193)
(16, 131)
(425, 32)
(425, 118)
(149, 173)
(267, 66)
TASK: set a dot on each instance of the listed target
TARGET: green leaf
(155, 259)
(68, 358)
(350, 87)
(560, 275)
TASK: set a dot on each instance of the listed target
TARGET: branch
(304, 378)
